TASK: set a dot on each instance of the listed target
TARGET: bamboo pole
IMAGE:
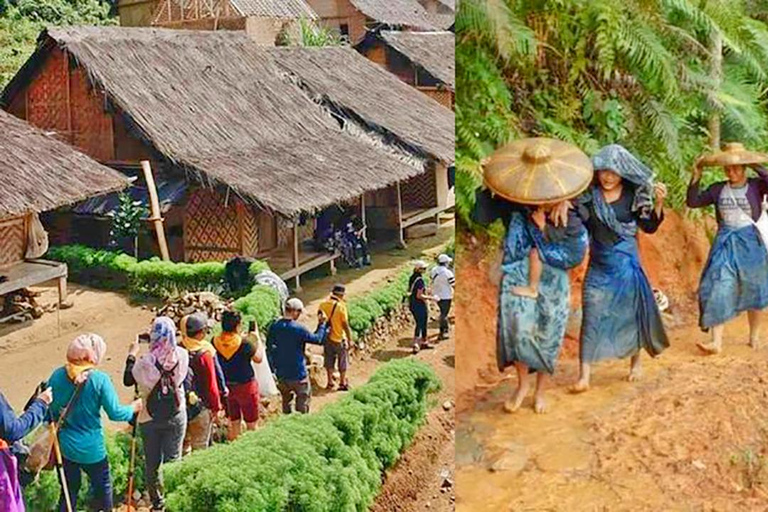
(156, 218)
(716, 74)
(400, 238)
(362, 216)
(296, 253)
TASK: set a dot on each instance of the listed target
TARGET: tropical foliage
(653, 75)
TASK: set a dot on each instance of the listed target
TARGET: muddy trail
(692, 435)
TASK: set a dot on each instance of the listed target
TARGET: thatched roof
(364, 90)
(216, 105)
(279, 9)
(435, 52)
(449, 3)
(406, 13)
(39, 172)
(442, 21)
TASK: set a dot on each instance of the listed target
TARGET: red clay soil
(673, 258)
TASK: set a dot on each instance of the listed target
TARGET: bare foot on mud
(755, 344)
(580, 387)
(708, 348)
(539, 404)
(635, 374)
(514, 404)
(525, 291)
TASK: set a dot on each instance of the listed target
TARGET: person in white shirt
(443, 282)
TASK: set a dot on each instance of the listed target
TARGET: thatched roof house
(263, 20)
(353, 18)
(40, 173)
(219, 109)
(359, 90)
(425, 60)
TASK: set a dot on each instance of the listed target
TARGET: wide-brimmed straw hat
(538, 171)
(734, 153)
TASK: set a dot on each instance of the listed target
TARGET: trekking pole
(132, 464)
(60, 467)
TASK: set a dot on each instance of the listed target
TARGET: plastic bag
(37, 240)
(267, 385)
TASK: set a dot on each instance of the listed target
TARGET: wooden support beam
(156, 218)
(400, 227)
(296, 253)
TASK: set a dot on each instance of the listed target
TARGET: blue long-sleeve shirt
(12, 428)
(82, 436)
(285, 347)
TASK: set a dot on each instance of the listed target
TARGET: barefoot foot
(539, 404)
(709, 348)
(525, 291)
(581, 386)
(635, 374)
(514, 404)
(755, 344)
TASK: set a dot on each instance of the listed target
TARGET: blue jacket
(285, 347)
(13, 429)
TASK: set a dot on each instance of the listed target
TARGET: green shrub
(328, 461)
(44, 494)
(153, 277)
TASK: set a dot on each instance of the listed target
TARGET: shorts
(332, 352)
(243, 402)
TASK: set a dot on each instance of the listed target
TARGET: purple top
(757, 187)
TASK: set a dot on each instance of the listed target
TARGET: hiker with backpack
(205, 383)
(235, 355)
(417, 303)
(159, 376)
(80, 392)
(12, 430)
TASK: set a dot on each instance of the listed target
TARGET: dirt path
(691, 436)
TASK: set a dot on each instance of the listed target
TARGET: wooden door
(267, 232)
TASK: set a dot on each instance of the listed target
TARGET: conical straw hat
(538, 171)
(734, 153)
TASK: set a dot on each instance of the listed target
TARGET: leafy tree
(126, 222)
(658, 76)
(309, 33)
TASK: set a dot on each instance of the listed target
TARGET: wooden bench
(29, 273)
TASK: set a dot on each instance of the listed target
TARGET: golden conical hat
(734, 153)
(538, 171)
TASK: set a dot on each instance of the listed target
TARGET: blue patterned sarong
(735, 278)
(620, 315)
(531, 331)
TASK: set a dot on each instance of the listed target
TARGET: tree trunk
(716, 74)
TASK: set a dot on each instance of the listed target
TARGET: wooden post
(296, 253)
(156, 218)
(362, 217)
(400, 239)
(716, 75)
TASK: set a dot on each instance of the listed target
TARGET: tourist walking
(235, 355)
(81, 435)
(339, 339)
(159, 376)
(417, 303)
(12, 430)
(735, 278)
(443, 282)
(205, 384)
(286, 344)
(620, 316)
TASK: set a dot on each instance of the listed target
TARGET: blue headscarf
(617, 159)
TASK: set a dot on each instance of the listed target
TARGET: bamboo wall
(13, 240)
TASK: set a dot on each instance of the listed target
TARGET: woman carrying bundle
(735, 278)
(620, 315)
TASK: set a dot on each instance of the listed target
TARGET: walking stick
(132, 465)
(60, 467)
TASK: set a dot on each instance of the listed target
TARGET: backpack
(192, 396)
(163, 400)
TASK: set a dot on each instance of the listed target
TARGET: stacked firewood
(21, 306)
(190, 303)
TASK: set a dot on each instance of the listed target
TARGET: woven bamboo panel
(250, 231)
(284, 235)
(445, 97)
(91, 125)
(47, 95)
(211, 230)
(12, 241)
(420, 191)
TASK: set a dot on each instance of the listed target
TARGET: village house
(265, 21)
(247, 143)
(39, 173)
(424, 60)
(354, 18)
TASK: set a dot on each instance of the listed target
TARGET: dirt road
(691, 436)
